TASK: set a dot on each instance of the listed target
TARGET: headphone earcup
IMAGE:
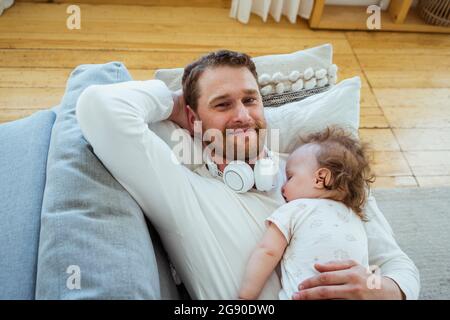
(265, 173)
(238, 175)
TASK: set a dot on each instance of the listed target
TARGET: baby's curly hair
(345, 156)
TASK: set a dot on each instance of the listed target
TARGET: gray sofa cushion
(23, 157)
(94, 242)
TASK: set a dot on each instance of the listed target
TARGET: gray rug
(420, 218)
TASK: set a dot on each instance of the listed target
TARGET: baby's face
(300, 172)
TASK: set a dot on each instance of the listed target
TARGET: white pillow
(337, 106)
(316, 58)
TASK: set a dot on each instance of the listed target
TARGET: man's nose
(242, 113)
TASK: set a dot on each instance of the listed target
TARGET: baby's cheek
(301, 190)
(291, 191)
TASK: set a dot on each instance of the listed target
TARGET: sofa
(69, 230)
(53, 227)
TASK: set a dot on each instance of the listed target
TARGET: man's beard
(223, 147)
(244, 148)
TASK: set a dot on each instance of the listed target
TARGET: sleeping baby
(327, 180)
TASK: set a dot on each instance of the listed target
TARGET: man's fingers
(322, 293)
(335, 265)
(325, 279)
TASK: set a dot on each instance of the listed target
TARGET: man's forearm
(391, 290)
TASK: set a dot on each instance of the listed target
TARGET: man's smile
(240, 132)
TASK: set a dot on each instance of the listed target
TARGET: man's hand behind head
(180, 113)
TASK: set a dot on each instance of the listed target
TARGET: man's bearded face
(231, 110)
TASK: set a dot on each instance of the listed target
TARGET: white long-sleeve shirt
(208, 230)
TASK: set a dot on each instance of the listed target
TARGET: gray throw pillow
(23, 157)
(94, 242)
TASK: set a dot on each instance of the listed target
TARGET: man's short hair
(194, 70)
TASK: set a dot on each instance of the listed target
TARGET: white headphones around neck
(240, 177)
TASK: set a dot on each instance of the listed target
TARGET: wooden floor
(406, 80)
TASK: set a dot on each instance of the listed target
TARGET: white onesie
(317, 230)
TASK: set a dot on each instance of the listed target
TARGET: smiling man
(241, 125)
(208, 229)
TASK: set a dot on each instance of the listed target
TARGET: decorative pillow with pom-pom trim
(279, 88)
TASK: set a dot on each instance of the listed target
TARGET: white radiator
(242, 9)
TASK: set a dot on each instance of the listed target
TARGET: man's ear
(323, 178)
(192, 117)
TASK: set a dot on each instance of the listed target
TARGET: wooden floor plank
(389, 163)
(402, 48)
(347, 73)
(171, 3)
(418, 117)
(368, 121)
(379, 139)
(399, 43)
(49, 77)
(133, 59)
(347, 64)
(418, 97)
(144, 42)
(51, 58)
(408, 79)
(433, 181)
(29, 98)
(7, 115)
(387, 62)
(372, 117)
(415, 107)
(423, 139)
(33, 77)
(409, 71)
(368, 98)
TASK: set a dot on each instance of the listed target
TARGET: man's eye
(221, 105)
(249, 100)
